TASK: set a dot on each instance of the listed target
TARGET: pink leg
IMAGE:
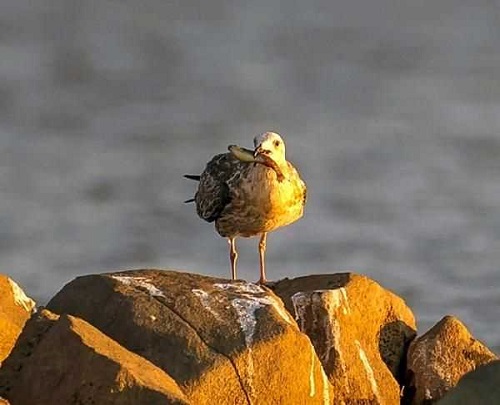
(262, 253)
(233, 256)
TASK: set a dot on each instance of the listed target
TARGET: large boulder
(15, 309)
(65, 360)
(440, 357)
(360, 332)
(222, 342)
(478, 387)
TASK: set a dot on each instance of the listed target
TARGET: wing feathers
(213, 192)
(192, 177)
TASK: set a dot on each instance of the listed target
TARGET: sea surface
(390, 110)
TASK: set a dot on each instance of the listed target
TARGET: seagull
(249, 193)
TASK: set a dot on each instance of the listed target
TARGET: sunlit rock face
(65, 360)
(440, 357)
(168, 337)
(15, 309)
(359, 330)
(221, 341)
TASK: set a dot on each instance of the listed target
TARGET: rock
(360, 332)
(479, 387)
(65, 360)
(15, 309)
(222, 342)
(437, 359)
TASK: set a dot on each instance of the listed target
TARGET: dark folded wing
(213, 192)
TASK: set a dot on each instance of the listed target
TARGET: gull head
(270, 144)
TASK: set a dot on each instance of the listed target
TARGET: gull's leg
(262, 253)
(233, 256)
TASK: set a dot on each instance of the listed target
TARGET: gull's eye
(276, 143)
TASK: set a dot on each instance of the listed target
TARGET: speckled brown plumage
(247, 199)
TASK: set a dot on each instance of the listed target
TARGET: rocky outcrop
(440, 357)
(480, 387)
(222, 342)
(15, 309)
(65, 360)
(153, 336)
(359, 330)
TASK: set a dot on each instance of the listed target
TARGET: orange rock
(437, 359)
(15, 309)
(359, 330)
(67, 361)
(223, 342)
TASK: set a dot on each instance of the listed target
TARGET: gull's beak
(260, 151)
(262, 156)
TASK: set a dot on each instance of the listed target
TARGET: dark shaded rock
(360, 332)
(479, 387)
(440, 357)
(222, 342)
(65, 360)
(15, 310)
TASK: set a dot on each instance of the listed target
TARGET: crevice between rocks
(240, 380)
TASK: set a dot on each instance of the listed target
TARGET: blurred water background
(391, 110)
